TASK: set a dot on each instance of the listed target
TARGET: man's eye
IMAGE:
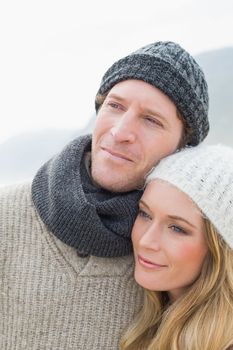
(178, 229)
(143, 214)
(114, 105)
(153, 121)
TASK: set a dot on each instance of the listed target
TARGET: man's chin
(117, 184)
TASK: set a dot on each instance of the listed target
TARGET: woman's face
(168, 239)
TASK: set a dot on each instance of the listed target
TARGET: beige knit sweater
(49, 297)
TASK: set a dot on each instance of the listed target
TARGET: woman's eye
(143, 214)
(178, 229)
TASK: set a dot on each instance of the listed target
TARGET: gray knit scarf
(82, 215)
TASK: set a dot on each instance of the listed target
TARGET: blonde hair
(202, 319)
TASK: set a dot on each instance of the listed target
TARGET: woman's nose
(150, 238)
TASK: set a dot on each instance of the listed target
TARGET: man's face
(136, 126)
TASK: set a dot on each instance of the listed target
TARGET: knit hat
(205, 174)
(174, 71)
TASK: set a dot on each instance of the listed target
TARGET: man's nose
(124, 128)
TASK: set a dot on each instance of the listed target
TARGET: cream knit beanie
(205, 174)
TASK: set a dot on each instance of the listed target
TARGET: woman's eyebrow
(181, 219)
(144, 203)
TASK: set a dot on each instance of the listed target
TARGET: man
(66, 264)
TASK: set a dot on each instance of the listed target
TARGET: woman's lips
(148, 263)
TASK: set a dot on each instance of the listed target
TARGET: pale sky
(54, 53)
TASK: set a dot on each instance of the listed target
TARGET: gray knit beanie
(205, 174)
(174, 71)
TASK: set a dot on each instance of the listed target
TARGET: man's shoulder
(15, 195)
(15, 203)
(14, 189)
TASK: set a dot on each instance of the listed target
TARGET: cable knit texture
(167, 66)
(49, 297)
(84, 216)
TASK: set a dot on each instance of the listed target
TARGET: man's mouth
(116, 154)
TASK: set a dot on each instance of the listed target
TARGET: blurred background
(54, 53)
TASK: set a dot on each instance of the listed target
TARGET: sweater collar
(82, 215)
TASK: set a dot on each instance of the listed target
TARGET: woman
(183, 247)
